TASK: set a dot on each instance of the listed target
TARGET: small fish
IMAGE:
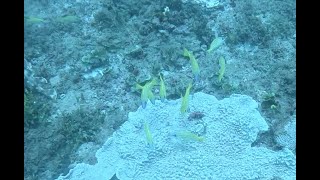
(194, 64)
(146, 92)
(33, 20)
(148, 133)
(67, 19)
(185, 100)
(215, 44)
(163, 93)
(187, 135)
(151, 97)
(222, 63)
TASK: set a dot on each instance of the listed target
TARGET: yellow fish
(148, 133)
(190, 136)
(33, 20)
(163, 93)
(185, 100)
(194, 64)
(67, 19)
(146, 92)
(215, 44)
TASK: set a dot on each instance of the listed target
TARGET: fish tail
(152, 101)
(144, 104)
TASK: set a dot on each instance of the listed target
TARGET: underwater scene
(160, 90)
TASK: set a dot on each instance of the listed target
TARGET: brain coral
(229, 126)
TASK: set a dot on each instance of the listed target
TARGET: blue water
(88, 68)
